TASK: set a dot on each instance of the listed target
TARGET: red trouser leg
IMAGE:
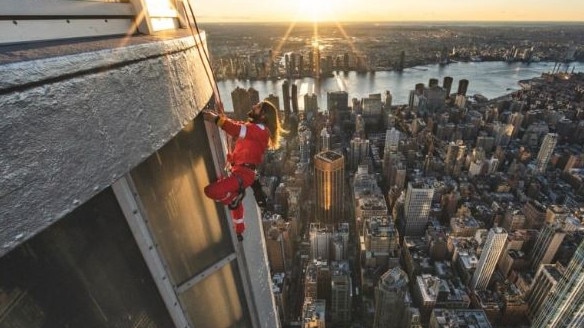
(226, 189)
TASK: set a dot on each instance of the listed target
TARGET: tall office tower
(241, 103)
(397, 171)
(341, 294)
(310, 68)
(432, 83)
(281, 200)
(254, 96)
(372, 105)
(489, 257)
(447, 85)
(418, 202)
(286, 98)
(337, 101)
(316, 60)
(387, 101)
(381, 239)
(359, 127)
(325, 140)
(515, 119)
(320, 241)
(310, 105)
(358, 152)
(294, 98)
(340, 242)
(417, 100)
(462, 87)
(402, 61)
(455, 156)
(304, 141)
(543, 284)
(275, 247)
(565, 306)
(323, 281)
(329, 177)
(301, 65)
(392, 137)
(535, 214)
(391, 299)
(546, 151)
(275, 100)
(545, 248)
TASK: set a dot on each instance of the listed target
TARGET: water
(491, 79)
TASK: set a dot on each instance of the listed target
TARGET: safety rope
(209, 72)
(210, 75)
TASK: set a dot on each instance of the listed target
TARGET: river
(491, 79)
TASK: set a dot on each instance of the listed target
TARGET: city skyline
(385, 11)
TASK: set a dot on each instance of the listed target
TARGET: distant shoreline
(410, 23)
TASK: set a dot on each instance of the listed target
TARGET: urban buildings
(564, 307)
(545, 152)
(418, 201)
(391, 299)
(490, 255)
(329, 179)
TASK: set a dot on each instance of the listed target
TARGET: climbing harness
(240, 194)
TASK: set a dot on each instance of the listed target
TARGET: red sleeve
(230, 126)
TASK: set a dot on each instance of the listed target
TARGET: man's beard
(253, 116)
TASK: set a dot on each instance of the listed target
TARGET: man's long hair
(272, 122)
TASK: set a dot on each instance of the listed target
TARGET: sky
(387, 10)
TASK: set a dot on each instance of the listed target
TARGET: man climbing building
(252, 138)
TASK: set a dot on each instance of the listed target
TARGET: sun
(317, 10)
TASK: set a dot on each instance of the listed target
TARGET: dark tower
(447, 85)
(295, 98)
(462, 86)
(419, 88)
(433, 83)
(286, 97)
(402, 59)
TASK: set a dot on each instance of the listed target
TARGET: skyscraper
(489, 257)
(447, 85)
(241, 101)
(546, 150)
(391, 299)
(254, 96)
(320, 241)
(417, 206)
(462, 87)
(547, 244)
(341, 294)
(275, 100)
(310, 105)
(565, 306)
(543, 284)
(329, 167)
(337, 101)
(358, 152)
(392, 137)
(294, 98)
(286, 98)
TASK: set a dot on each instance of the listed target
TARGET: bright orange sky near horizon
(387, 10)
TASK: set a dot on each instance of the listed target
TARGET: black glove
(259, 194)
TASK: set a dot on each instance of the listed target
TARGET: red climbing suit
(250, 145)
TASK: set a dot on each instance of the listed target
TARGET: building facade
(329, 177)
(105, 157)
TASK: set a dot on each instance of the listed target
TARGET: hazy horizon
(346, 11)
